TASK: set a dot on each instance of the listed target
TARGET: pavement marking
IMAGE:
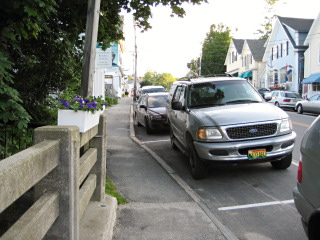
(155, 141)
(301, 124)
(256, 205)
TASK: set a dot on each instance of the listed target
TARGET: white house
(311, 83)
(252, 66)
(244, 59)
(233, 59)
(284, 55)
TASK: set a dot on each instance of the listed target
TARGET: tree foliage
(153, 78)
(267, 24)
(194, 66)
(41, 48)
(214, 50)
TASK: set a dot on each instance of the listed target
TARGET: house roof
(298, 24)
(257, 48)
(238, 43)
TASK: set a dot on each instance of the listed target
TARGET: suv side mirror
(177, 106)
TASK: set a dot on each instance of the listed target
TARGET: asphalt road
(254, 201)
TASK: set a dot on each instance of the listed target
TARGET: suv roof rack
(216, 75)
(184, 79)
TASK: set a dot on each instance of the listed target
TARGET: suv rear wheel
(199, 169)
(283, 163)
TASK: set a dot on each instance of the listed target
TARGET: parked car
(306, 194)
(150, 89)
(262, 91)
(225, 120)
(284, 99)
(311, 105)
(151, 112)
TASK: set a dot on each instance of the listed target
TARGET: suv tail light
(299, 175)
(286, 100)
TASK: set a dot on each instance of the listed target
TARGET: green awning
(247, 74)
(241, 75)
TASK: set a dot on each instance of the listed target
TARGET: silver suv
(225, 119)
(307, 192)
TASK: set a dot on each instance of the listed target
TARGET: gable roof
(298, 24)
(238, 43)
(257, 48)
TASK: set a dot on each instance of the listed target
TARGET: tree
(153, 78)
(267, 25)
(214, 50)
(41, 48)
(194, 66)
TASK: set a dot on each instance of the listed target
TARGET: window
(179, 95)
(287, 48)
(315, 86)
(284, 49)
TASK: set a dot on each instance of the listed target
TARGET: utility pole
(91, 34)
(135, 62)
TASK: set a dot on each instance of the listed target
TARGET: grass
(111, 190)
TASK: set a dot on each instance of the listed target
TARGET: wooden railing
(64, 170)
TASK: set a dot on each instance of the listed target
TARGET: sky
(173, 42)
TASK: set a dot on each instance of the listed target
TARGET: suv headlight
(285, 125)
(209, 134)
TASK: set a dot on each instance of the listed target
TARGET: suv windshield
(221, 92)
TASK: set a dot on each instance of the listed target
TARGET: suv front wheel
(283, 163)
(199, 169)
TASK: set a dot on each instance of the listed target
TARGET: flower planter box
(83, 119)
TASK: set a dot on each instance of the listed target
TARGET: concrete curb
(226, 232)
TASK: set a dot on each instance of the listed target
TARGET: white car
(311, 105)
(284, 99)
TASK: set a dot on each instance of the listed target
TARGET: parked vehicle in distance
(311, 105)
(284, 99)
(262, 91)
(306, 194)
(151, 112)
(150, 89)
(225, 120)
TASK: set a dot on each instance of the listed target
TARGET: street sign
(103, 58)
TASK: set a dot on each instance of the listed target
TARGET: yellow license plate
(257, 153)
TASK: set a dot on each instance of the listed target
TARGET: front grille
(252, 131)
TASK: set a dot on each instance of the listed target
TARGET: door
(178, 118)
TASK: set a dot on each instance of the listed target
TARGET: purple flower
(66, 104)
(94, 105)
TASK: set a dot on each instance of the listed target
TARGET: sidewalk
(161, 205)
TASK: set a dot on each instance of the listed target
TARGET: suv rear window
(153, 90)
(292, 95)
(221, 93)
